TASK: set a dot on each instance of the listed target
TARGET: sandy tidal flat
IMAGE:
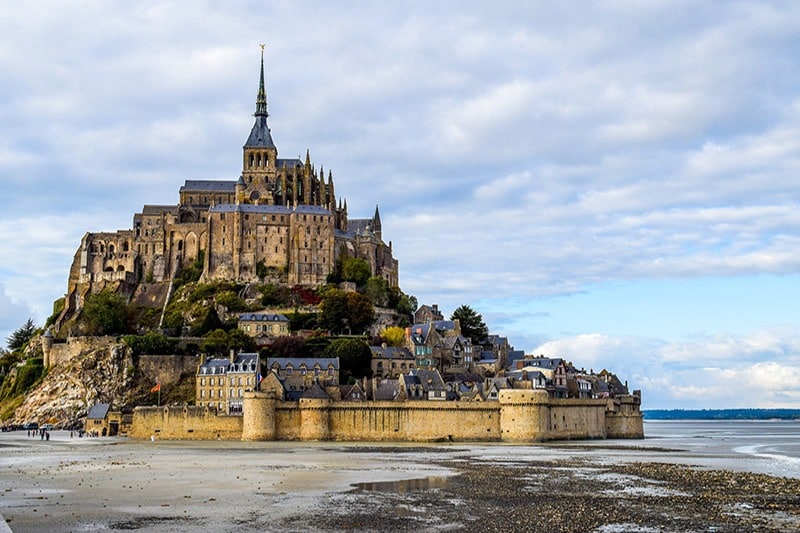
(70, 484)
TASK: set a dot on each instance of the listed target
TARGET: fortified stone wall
(519, 416)
(624, 418)
(166, 369)
(61, 352)
(184, 423)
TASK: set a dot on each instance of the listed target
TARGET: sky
(614, 183)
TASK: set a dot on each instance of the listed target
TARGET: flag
(260, 377)
(156, 388)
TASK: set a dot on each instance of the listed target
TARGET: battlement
(519, 416)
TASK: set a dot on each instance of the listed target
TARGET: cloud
(756, 370)
(13, 314)
(519, 152)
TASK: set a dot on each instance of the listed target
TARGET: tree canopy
(346, 312)
(355, 359)
(105, 313)
(472, 324)
(394, 336)
(20, 337)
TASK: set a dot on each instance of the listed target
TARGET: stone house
(427, 313)
(421, 384)
(264, 324)
(391, 361)
(102, 421)
(298, 374)
(221, 383)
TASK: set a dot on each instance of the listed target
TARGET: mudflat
(71, 484)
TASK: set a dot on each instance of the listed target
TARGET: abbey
(281, 216)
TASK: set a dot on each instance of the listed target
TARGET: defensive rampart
(184, 422)
(518, 416)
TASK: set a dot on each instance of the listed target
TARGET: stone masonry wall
(519, 416)
(184, 423)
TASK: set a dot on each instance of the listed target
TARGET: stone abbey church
(281, 214)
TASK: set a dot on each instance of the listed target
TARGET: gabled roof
(316, 392)
(387, 390)
(431, 380)
(263, 317)
(309, 362)
(159, 209)
(550, 363)
(98, 411)
(208, 186)
(390, 352)
(444, 325)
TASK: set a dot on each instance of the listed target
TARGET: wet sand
(116, 484)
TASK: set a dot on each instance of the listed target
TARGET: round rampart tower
(523, 415)
(258, 416)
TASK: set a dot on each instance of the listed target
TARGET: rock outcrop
(98, 374)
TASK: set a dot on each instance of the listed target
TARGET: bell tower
(259, 164)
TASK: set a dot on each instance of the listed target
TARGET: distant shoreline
(721, 414)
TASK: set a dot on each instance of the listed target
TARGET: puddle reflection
(404, 485)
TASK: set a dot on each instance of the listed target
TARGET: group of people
(44, 434)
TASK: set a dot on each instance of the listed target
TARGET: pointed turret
(260, 136)
(376, 223)
(331, 193)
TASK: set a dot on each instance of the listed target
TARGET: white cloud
(517, 150)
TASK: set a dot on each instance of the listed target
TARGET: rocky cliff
(96, 374)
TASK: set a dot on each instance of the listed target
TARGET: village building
(298, 374)
(220, 383)
(391, 361)
(264, 324)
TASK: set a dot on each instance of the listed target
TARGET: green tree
(216, 342)
(346, 312)
(356, 270)
(20, 337)
(105, 313)
(240, 341)
(287, 346)
(394, 336)
(210, 322)
(472, 324)
(151, 343)
(355, 359)
(377, 290)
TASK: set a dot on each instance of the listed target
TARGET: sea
(763, 446)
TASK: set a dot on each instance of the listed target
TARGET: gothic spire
(261, 99)
(260, 136)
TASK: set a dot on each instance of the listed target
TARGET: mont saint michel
(256, 309)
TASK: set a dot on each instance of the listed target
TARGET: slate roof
(316, 392)
(296, 362)
(391, 352)
(430, 380)
(98, 411)
(288, 163)
(260, 136)
(208, 186)
(387, 390)
(444, 325)
(218, 365)
(270, 209)
(159, 209)
(544, 362)
(263, 317)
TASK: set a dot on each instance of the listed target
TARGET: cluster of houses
(437, 363)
